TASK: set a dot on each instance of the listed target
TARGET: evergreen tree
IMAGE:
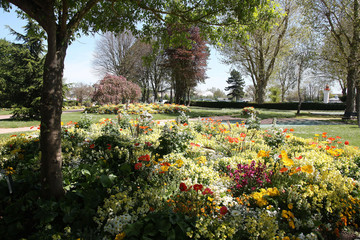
(21, 70)
(236, 85)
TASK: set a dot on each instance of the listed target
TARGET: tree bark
(358, 103)
(350, 96)
(352, 65)
(260, 92)
(51, 110)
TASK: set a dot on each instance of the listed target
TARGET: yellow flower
(287, 161)
(263, 153)
(164, 168)
(284, 214)
(286, 238)
(201, 160)
(291, 224)
(120, 236)
(179, 162)
(308, 169)
(273, 192)
(290, 206)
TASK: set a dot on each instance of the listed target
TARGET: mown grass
(346, 132)
(4, 112)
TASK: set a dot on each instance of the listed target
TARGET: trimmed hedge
(280, 106)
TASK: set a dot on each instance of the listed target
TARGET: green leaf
(171, 235)
(125, 169)
(85, 172)
(107, 181)
(150, 230)
(163, 225)
(133, 230)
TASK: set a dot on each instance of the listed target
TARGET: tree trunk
(350, 96)
(260, 93)
(51, 109)
(352, 65)
(358, 103)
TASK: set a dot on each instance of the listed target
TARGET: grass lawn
(350, 133)
(5, 112)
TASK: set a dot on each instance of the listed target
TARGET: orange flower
(284, 169)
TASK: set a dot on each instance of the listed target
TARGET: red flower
(138, 166)
(109, 146)
(183, 187)
(148, 144)
(223, 210)
(207, 191)
(198, 187)
(144, 158)
(194, 145)
(137, 144)
(299, 157)
(346, 142)
(92, 146)
(284, 169)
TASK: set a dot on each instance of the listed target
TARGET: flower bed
(137, 108)
(128, 179)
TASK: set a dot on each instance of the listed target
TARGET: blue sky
(80, 56)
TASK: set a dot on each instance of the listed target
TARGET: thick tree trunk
(352, 64)
(358, 103)
(350, 96)
(260, 93)
(50, 134)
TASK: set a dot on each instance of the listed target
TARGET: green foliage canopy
(21, 70)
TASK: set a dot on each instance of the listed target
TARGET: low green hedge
(280, 106)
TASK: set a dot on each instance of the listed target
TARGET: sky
(79, 57)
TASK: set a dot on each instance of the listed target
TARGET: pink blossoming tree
(115, 89)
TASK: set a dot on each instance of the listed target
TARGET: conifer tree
(236, 85)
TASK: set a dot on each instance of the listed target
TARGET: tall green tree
(63, 20)
(257, 56)
(21, 69)
(340, 19)
(236, 85)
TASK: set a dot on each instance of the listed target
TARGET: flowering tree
(115, 90)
